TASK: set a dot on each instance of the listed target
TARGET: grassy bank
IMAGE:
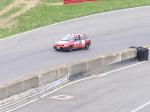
(47, 13)
(4, 3)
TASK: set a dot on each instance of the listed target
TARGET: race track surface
(125, 90)
(112, 31)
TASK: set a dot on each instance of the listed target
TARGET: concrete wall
(148, 47)
(30, 82)
(52, 75)
(74, 70)
(77, 69)
(18, 86)
(128, 54)
(98, 64)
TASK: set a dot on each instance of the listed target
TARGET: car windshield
(68, 37)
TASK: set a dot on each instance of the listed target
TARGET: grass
(45, 14)
(12, 11)
(4, 3)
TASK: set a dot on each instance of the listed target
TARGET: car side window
(75, 39)
(86, 36)
(81, 37)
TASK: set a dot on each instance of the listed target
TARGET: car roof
(76, 34)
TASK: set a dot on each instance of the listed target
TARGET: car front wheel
(70, 48)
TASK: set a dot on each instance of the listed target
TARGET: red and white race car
(73, 41)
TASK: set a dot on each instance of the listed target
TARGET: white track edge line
(22, 105)
(140, 107)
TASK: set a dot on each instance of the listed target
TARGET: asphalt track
(33, 51)
(124, 90)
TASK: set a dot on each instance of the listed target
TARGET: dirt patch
(25, 6)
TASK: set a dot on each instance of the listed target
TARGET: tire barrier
(72, 71)
(142, 53)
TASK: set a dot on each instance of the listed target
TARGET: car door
(75, 42)
(83, 41)
(87, 40)
(80, 41)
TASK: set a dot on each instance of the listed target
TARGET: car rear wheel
(86, 47)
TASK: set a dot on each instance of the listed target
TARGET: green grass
(4, 3)
(12, 11)
(45, 14)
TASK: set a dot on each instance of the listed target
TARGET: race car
(73, 41)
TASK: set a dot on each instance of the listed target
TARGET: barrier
(148, 47)
(18, 86)
(95, 65)
(142, 54)
(13, 88)
(74, 71)
(51, 75)
(77, 70)
(128, 54)
(98, 64)
(112, 58)
(30, 82)
(2, 92)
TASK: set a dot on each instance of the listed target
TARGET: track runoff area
(119, 90)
